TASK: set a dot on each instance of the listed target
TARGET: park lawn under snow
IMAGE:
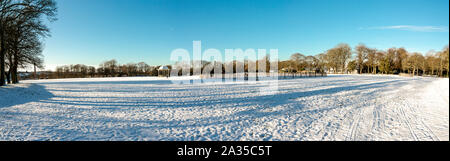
(337, 107)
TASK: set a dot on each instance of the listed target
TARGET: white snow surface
(337, 107)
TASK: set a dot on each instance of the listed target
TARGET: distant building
(163, 71)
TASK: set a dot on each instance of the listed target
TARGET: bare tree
(431, 61)
(109, 68)
(23, 19)
(343, 54)
(444, 61)
(142, 67)
(371, 60)
(400, 55)
(331, 59)
(379, 60)
(361, 55)
(298, 61)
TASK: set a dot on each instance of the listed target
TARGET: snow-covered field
(338, 107)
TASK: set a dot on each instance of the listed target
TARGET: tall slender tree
(400, 55)
(361, 56)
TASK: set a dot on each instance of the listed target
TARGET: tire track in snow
(354, 125)
(432, 134)
(378, 118)
(405, 120)
(416, 127)
(324, 125)
(420, 124)
(354, 112)
(358, 114)
(363, 108)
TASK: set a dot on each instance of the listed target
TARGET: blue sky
(92, 31)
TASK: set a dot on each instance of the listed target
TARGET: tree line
(362, 59)
(340, 59)
(22, 28)
(399, 60)
(109, 68)
(112, 68)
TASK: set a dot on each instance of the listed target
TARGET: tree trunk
(360, 69)
(14, 74)
(8, 73)
(34, 65)
(448, 66)
(344, 70)
(8, 76)
(2, 57)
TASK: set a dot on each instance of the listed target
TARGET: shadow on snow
(11, 96)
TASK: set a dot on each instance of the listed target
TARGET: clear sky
(92, 31)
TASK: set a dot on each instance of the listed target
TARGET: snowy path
(338, 107)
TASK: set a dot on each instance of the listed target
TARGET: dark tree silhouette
(20, 23)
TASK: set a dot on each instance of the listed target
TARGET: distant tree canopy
(369, 60)
(340, 59)
(109, 68)
(21, 31)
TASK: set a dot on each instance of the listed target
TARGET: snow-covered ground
(337, 107)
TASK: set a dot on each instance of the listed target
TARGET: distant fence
(302, 74)
(281, 75)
